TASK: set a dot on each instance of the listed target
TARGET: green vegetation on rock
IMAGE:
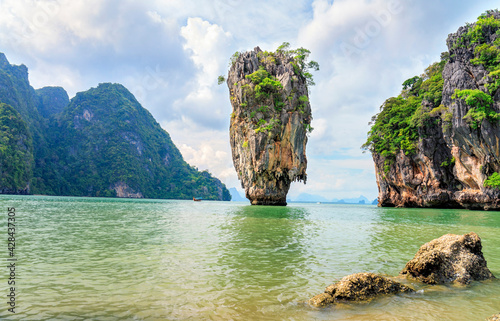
(105, 140)
(480, 103)
(266, 91)
(102, 143)
(493, 181)
(396, 127)
(16, 152)
(488, 55)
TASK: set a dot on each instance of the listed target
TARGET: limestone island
(438, 143)
(270, 120)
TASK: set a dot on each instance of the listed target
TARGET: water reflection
(265, 253)
(439, 216)
(399, 233)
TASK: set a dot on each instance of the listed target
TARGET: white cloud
(208, 47)
(169, 53)
(207, 149)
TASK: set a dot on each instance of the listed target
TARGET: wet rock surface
(495, 317)
(450, 258)
(357, 288)
(271, 117)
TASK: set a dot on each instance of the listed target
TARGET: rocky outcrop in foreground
(450, 258)
(270, 121)
(437, 144)
(358, 287)
(495, 317)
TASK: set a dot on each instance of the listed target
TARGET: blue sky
(169, 54)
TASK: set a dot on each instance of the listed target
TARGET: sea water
(123, 259)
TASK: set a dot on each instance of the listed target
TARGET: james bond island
(438, 143)
(270, 120)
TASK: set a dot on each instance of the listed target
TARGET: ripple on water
(109, 259)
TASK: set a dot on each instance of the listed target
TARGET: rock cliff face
(101, 143)
(271, 117)
(454, 158)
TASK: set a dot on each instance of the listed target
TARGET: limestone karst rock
(270, 121)
(101, 143)
(358, 287)
(437, 144)
(450, 258)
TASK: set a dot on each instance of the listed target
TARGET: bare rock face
(456, 154)
(450, 258)
(358, 287)
(271, 117)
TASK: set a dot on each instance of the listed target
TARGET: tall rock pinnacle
(270, 121)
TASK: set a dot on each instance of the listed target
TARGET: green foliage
(485, 22)
(303, 99)
(449, 162)
(278, 105)
(265, 84)
(408, 84)
(431, 88)
(51, 101)
(263, 109)
(105, 138)
(234, 58)
(221, 79)
(264, 126)
(245, 144)
(283, 47)
(480, 103)
(396, 127)
(487, 55)
(16, 151)
(258, 76)
(493, 181)
(302, 66)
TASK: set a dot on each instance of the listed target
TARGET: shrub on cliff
(395, 128)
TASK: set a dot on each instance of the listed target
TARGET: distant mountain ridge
(236, 196)
(101, 143)
(305, 197)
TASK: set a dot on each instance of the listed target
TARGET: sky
(169, 53)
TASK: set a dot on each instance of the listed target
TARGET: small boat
(196, 200)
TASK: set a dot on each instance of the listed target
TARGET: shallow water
(110, 259)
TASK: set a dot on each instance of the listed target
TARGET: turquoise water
(116, 259)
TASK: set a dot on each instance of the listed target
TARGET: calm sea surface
(115, 259)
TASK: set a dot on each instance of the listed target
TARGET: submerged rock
(495, 317)
(271, 117)
(450, 258)
(358, 287)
